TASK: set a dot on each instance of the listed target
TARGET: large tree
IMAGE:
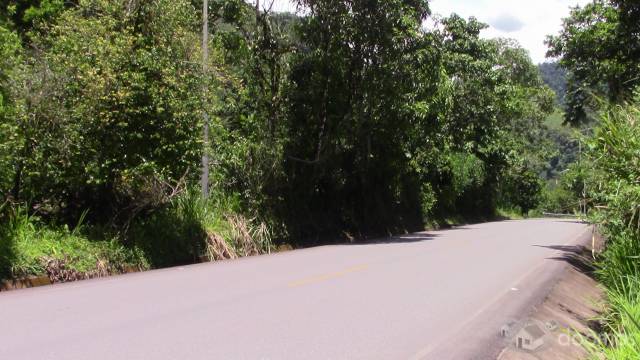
(599, 45)
(352, 111)
(110, 97)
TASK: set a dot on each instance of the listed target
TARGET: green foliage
(521, 188)
(557, 199)
(460, 195)
(565, 173)
(599, 47)
(503, 127)
(22, 15)
(113, 99)
(566, 142)
(622, 340)
(27, 243)
(354, 100)
(613, 183)
(179, 232)
(10, 60)
(615, 167)
(175, 234)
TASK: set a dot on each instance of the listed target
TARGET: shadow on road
(406, 238)
(570, 221)
(577, 256)
(399, 239)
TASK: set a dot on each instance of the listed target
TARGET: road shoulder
(570, 308)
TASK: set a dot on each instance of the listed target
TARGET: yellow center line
(324, 277)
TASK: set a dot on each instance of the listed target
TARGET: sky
(528, 22)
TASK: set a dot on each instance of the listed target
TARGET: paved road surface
(438, 295)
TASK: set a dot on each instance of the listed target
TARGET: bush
(176, 233)
(621, 342)
(557, 199)
(620, 261)
(104, 103)
(185, 230)
(182, 231)
(520, 188)
(462, 191)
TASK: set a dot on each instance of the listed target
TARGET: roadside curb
(24, 283)
(37, 281)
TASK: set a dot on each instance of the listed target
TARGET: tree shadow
(571, 221)
(401, 239)
(578, 256)
(405, 238)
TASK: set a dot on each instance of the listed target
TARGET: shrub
(185, 229)
(175, 233)
(520, 188)
(556, 198)
(462, 193)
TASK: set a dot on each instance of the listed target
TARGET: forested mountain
(555, 77)
(564, 141)
(352, 120)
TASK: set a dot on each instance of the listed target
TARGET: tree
(22, 15)
(111, 101)
(599, 47)
(352, 111)
(497, 105)
(10, 62)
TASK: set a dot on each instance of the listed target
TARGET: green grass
(621, 338)
(27, 243)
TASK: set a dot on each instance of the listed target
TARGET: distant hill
(555, 77)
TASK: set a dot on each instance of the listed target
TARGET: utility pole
(204, 181)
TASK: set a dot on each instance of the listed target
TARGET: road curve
(434, 295)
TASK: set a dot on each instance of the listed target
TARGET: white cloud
(529, 22)
(538, 19)
(507, 23)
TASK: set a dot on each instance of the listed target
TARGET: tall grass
(187, 229)
(191, 229)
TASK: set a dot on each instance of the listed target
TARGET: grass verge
(186, 230)
(30, 247)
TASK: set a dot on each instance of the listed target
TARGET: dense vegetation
(614, 181)
(350, 121)
(600, 48)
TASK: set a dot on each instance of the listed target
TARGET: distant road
(436, 295)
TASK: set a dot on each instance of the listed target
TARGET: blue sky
(526, 21)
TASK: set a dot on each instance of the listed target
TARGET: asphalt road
(437, 295)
